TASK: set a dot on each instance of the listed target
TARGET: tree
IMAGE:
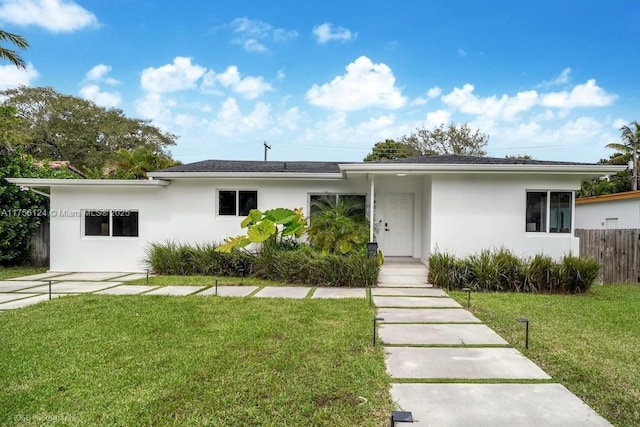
(628, 150)
(134, 164)
(451, 139)
(9, 54)
(65, 127)
(338, 225)
(390, 149)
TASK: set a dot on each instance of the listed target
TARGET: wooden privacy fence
(40, 245)
(618, 251)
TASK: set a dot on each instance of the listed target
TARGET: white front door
(398, 224)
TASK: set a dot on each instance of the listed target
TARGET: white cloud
(12, 76)
(230, 121)
(249, 87)
(52, 15)
(583, 95)
(418, 101)
(561, 79)
(179, 75)
(328, 32)
(434, 92)
(252, 34)
(462, 53)
(104, 99)
(618, 123)
(155, 107)
(437, 118)
(100, 73)
(364, 85)
(504, 108)
(290, 119)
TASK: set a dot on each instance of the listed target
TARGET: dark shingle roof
(452, 159)
(256, 166)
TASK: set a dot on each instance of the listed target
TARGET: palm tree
(629, 149)
(11, 55)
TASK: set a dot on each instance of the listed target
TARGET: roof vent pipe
(285, 165)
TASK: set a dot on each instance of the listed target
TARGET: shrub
(336, 226)
(300, 264)
(173, 258)
(501, 270)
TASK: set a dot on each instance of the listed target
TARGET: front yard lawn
(11, 272)
(589, 343)
(106, 360)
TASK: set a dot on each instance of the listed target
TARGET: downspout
(371, 206)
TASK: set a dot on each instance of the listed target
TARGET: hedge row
(501, 270)
(300, 265)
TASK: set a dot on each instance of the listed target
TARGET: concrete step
(404, 285)
(410, 280)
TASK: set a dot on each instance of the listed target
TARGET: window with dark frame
(125, 223)
(96, 223)
(237, 202)
(549, 207)
(111, 223)
(313, 198)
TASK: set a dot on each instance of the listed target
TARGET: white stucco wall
(184, 212)
(595, 215)
(471, 213)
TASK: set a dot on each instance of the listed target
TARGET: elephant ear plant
(269, 228)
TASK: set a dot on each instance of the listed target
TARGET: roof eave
(247, 175)
(57, 183)
(422, 169)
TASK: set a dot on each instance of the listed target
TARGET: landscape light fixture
(216, 287)
(375, 320)
(468, 297)
(526, 329)
(147, 276)
(401, 417)
(49, 290)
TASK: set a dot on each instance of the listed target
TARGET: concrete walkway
(28, 290)
(429, 339)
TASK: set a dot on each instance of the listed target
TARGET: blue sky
(326, 80)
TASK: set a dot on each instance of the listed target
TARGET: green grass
(204, 281)
(589, 343)
(105, 360)
(11, 272)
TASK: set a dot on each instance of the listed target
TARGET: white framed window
(237, 202)
(110, 223)
(549, 212)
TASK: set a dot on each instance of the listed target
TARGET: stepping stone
(230, 291)
(74, 287)
(90, 276)
(28, 301)
(403, 280)
(40, 276)
(460, 334)
(460, 363)
(426, 315)
(126, 290)
(175, 290)
(416, 292)
(490, 405)
(11, 285)
(10, 297)
(427, 302)
(283, 292)
(340, 293)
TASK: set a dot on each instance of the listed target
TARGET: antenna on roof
(266, 147)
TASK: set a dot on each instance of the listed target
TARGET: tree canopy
(65, 127)
(450, 139)
(390, 149)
